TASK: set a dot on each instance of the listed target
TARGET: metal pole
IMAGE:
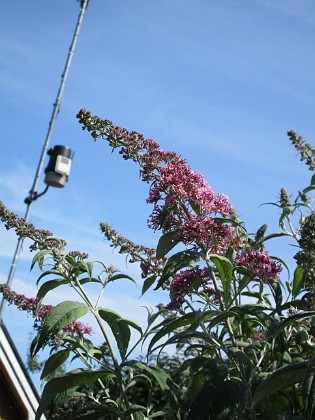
(56, 108)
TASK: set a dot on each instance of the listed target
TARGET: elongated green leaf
(147, 284)
(39, 258)
(90, 280)
(168, 326)
(257, 314)
(54, 361)
(48, 286)
(244, 361)
(308, 189)
(308, 390)
(176, 262)
(252, 309)
(281, 379)
(185, 336)
(166, 243)
(222, 317)
(119, 327)
(297, 281)
(48, 273)
(225, 269)
(276, 292)
(58, 385)
(159, 374)
(56, 319)
(271, 236)
(120, 276)
(136, 409)
(197, 384)
(255, 295)
(295, 303)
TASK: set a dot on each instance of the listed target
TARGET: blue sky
(218, 82)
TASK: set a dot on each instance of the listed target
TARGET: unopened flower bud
(284, 198)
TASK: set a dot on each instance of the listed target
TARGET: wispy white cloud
(15, 183)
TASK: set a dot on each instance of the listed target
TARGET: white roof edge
(20, 381)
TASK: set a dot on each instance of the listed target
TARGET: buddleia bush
(245, 336)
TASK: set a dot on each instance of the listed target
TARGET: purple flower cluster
(182, 283)
(183, 201)
(189, 207)
(259, 264)
(42, 239)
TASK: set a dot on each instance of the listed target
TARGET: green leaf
(191, 334)
(56, 386)
(245, 363)
(39, 258)
(152, 316)
(171, 325)
(225, 269)
(48, 286)
(133, 325)
(310, 188)
(159, 374)
(166, 243)
(60, 316)
(90, 280)
(147, 284)
(47, 273)
(255, 295)
(222, 317)
(197, 384)
(297, 281)
(308, 390)
(271, 236)
(54, 361)
(280, 379)
(296, 303)
(176, 262)
(120, 276)
(276, 292)
(85, 267)
(120, 328)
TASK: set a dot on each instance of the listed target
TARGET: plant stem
(221, 302)
(107, 341)
(294, 234)
(82, 358)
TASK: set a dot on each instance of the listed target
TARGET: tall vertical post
(56, 107)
